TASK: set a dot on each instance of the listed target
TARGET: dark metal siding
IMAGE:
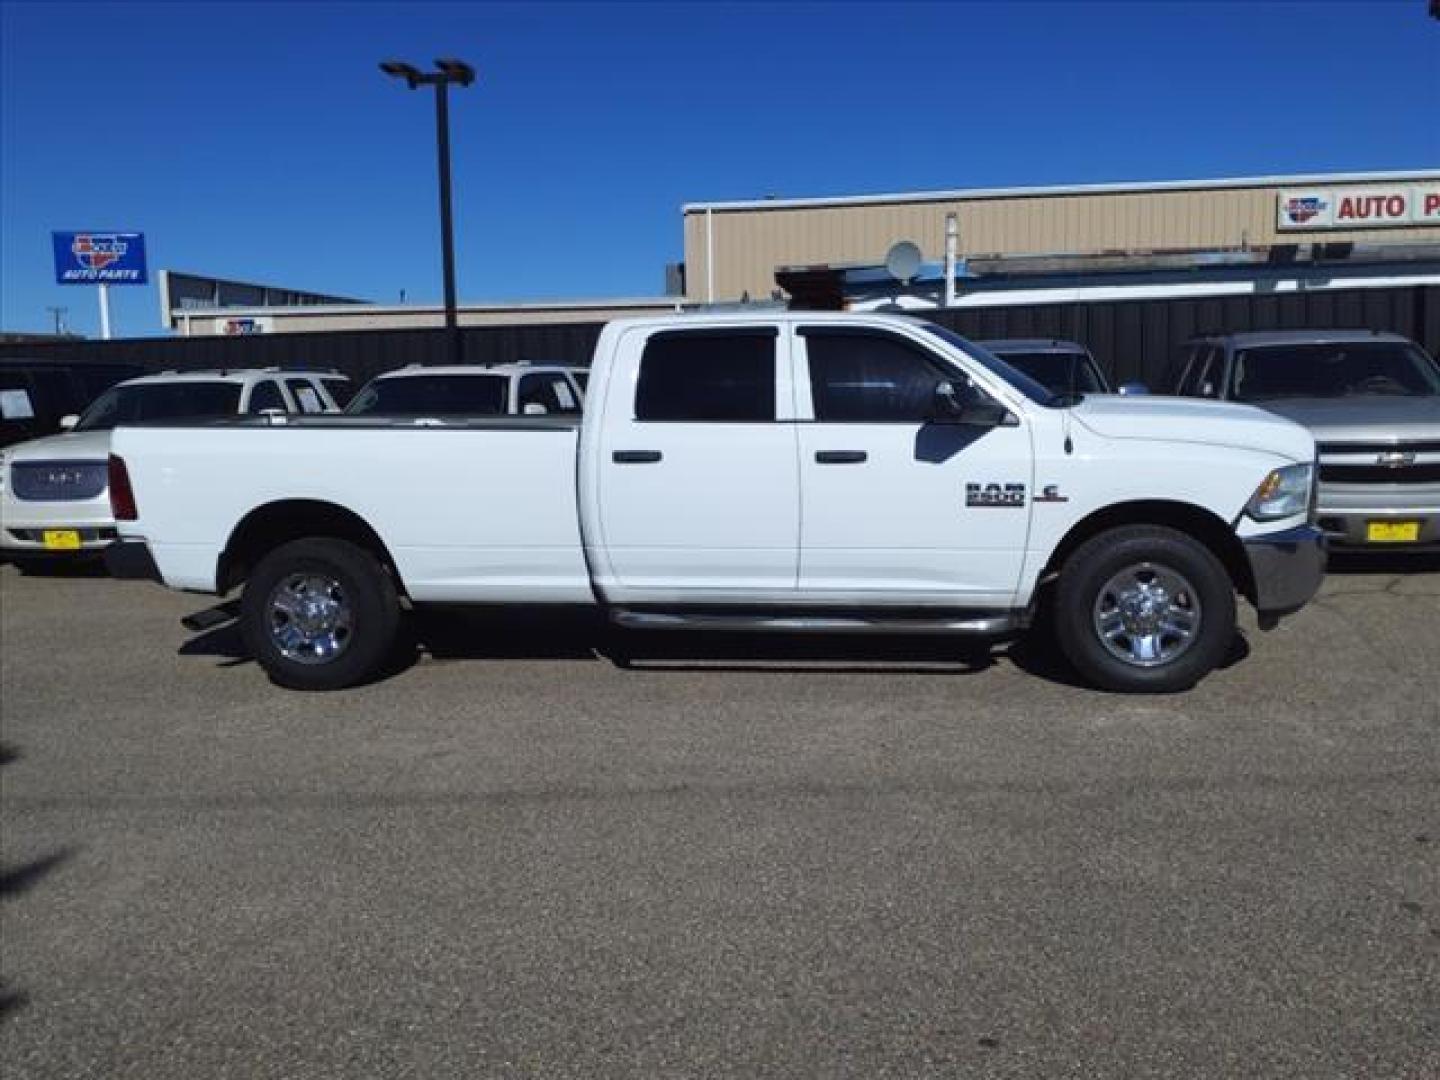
(360, 354)
(1138, 339)
(1132, 339)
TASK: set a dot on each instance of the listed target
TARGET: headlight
(1284, 493)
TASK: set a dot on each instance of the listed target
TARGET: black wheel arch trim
(1196, 521)
(272, 524)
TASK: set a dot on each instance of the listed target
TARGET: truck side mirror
(969, 405)
(946, 408)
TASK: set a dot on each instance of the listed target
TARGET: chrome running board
(987, 625)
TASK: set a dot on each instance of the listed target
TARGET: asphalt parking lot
(752, 858)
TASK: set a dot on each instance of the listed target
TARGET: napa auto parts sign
(99, 258)
(1358, 208)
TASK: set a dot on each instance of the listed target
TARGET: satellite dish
(903, 260)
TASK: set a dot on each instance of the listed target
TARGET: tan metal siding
(751, 243)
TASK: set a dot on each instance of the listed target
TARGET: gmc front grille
(1380, 474)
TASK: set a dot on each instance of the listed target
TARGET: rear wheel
(320, 614)
(1144, 609)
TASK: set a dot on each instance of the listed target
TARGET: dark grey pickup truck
(1372, 401)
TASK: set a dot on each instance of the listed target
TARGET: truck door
(896, 507)
(697, 477)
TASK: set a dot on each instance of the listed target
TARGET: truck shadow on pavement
(1383, 562)
(15, 880)
(79, 566)
(446, 634)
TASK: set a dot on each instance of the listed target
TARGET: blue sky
(259, 141)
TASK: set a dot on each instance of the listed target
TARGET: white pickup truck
(786, 471)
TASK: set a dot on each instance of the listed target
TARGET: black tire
(1114, 552)
(367, 589)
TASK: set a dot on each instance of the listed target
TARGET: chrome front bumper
(1347, 510)
(1350, 529)
(1287, 568)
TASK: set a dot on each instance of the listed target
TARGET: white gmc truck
(782, 471)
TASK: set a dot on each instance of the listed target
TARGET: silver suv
(1372, 401)
(433, 393)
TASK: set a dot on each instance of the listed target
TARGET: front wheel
(1144, 609)
(319, 614)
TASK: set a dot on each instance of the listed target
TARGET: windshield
(432, 395)
(992, 363)
(1058, 372)
(148, 402)
(1337, 370)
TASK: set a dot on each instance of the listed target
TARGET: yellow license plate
(1392, 532)
(61, 539)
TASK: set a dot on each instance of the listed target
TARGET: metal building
(198, 305)
(733, 249)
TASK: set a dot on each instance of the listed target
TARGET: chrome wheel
(310, 618)
(1147, 615)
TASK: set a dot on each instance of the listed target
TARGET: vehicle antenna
(1070, 377)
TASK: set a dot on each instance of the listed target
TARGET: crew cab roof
(766, 317)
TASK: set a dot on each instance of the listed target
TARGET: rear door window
(433, 395)
(266, 395)
(159, 402)
(341, 390)
(307, 397)
(707, 376)
(551, 391)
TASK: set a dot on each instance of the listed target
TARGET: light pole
(461, 74)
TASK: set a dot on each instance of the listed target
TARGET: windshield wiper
(1065, 400)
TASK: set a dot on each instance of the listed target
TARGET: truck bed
(480, 510)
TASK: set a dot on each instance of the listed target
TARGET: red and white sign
(1358, 208)
(244, 327)
(1426, 208)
